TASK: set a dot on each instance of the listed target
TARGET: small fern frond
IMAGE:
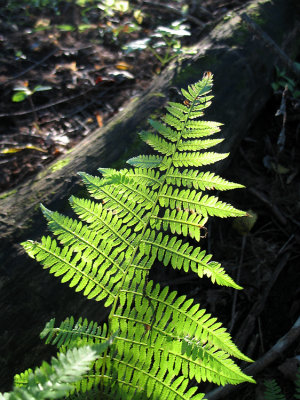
(55, 380)
(273, 391)
(70, 334)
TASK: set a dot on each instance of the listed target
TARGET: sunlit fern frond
(56, 380)
(152, 213)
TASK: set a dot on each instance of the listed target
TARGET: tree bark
(243, 68)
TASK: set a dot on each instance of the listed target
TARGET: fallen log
(243, 69)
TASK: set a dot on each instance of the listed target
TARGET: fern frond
(273, 391)
(56, 380)
(138, 217)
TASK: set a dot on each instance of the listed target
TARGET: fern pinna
(141, 215)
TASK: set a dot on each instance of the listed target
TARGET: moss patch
(7, 194)
(59, 164)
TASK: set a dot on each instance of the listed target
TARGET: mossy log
(243, 68)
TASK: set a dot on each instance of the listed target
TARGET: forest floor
(64, 72)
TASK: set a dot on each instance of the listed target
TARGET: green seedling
(23, 92)
(164, 44)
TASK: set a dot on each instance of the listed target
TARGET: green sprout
(23, 92)
(164, 44)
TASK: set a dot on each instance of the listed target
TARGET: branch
(275, 352)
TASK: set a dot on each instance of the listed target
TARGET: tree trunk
(243, 68)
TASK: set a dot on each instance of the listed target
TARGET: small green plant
(282, 81)
(55, 380)
(274, 392)
(153, 213)
(23, 92)
(164, 43)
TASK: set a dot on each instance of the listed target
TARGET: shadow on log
(243, 68)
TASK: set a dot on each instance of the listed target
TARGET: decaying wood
(243, 69)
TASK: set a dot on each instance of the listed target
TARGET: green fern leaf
(158, 143)
(56, 380)
(201, 129)
(273, 391)
(199, 180)
(142, 176)
(138, 217)
(70, 334)
(197, 159)
(145, 161)
(180, 222)
(192, 200)
(195, 145)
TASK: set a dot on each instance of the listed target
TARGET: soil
(91, 78)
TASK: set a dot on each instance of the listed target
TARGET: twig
(36, 64)
(281, 218)
(248, 325)
(275, 352)
(233, 315)
(283, 247)
(282, 111)
(270, 42)
(45, 106)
